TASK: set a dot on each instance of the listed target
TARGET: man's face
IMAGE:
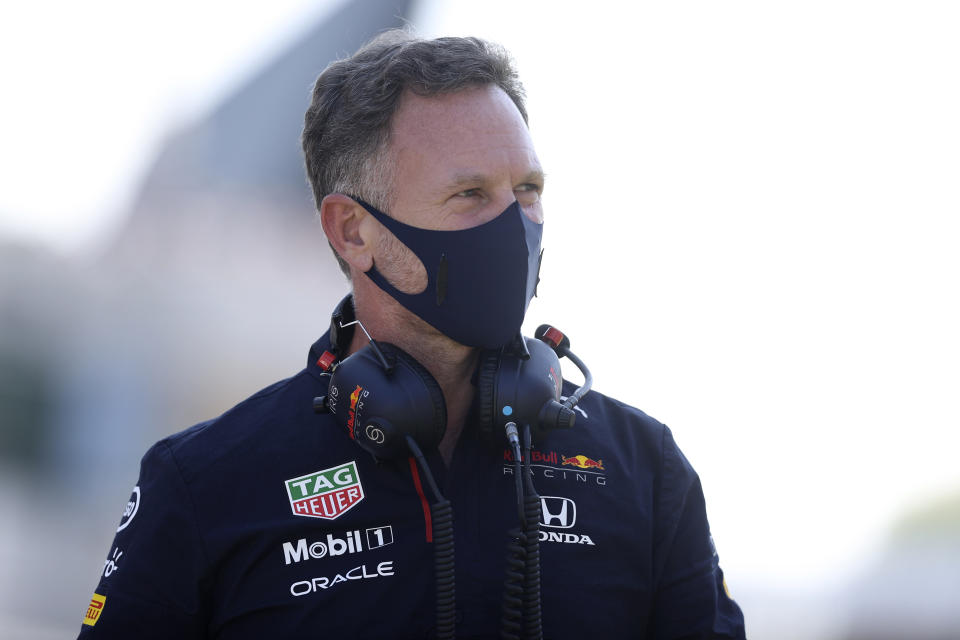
(459, 160)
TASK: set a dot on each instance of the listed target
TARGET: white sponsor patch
(111, 563)
(131, 509)
(327, 494)
(322, 583)
(349, 542)
(557, 512)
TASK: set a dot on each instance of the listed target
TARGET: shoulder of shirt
(241, 430)
(616, 414)
(611, 420)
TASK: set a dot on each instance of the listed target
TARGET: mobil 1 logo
(347, 543)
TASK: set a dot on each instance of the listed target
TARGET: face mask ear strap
(436, 274)
(372, 210)
(396, 227)
(403, 298)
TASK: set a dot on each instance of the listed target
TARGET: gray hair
(347, 126)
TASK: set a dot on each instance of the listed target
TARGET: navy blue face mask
(479, 280)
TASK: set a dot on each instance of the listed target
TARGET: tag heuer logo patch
(326, 494)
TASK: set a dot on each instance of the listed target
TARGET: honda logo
(556, 512)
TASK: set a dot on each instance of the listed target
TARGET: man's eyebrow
(467, 179)
(536, 176)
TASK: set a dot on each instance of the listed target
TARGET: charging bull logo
(355, 407)
(555, 379)
(582, 462)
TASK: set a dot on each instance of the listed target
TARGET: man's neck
(450, 363)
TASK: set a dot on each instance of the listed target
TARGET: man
(271, 521)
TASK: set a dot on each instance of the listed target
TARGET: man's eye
(528, 193)
(469, 193)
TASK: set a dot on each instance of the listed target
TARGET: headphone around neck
(381, 394)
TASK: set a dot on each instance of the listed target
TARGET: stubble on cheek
(399, 265)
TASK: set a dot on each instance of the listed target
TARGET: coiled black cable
(511, 615)
(443, 568)
(532, 617)
(441, 514)
(520, 615)
(511, 620)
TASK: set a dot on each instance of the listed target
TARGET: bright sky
(752, 219)
(756, 215)
(90, 89)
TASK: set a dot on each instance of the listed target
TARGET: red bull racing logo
(552, 465)
(583, 462)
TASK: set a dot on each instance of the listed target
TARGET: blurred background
(752, 234)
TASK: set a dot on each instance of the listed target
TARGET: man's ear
(348, 228)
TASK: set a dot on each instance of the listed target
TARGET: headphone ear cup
(486, 392)
(426, 435)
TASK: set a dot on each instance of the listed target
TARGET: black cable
(443, 569)
(441, 514)
(418, 454)
(582, 390)
(514, 442)
(511, 615)
(511, 620)
(532, 617)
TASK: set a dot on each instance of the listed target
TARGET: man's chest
(353, 556)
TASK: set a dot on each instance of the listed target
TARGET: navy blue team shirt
(269, 522)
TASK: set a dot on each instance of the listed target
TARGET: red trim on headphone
(427, 520)
(553, 337)
(326, 360)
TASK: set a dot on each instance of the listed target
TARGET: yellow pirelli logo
(95, 609)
